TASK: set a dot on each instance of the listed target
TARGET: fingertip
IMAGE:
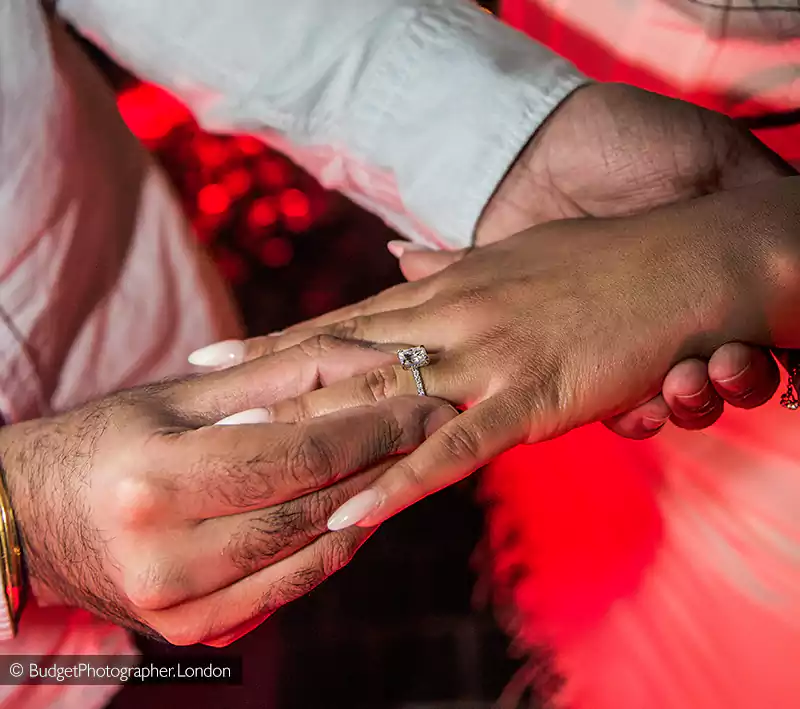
(730, 362)
(226, 353)
(645, 421)
(355, 510)
(744, 376)
(685, 380)
(420, 262)
(694, 402)
(396, 248)
(399, 248)
(251, 416)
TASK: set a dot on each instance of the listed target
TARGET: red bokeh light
(237, 182)
(213, 199)
(295, 204)
(274, 172)
(296, 209)
(262, 214)
(150, 112)
(250, 146)
(227, 178)
(211, 151)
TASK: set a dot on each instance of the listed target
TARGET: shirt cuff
(456, 98)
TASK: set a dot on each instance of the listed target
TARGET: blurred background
(403, 625)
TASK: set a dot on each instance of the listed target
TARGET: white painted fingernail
(249, 416)
(354, 510)
(398, 248)
(221, 354)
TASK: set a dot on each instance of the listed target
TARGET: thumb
(418, 262)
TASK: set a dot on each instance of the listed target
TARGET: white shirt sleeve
(413, 108)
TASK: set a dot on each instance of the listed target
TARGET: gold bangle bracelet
(11, 556)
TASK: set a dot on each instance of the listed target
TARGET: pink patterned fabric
(102, 284)
(741, 57)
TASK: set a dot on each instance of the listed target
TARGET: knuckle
(181, 634)
(382, 383)
(336, 551)
(239, 483)
(333, 553)
(159, 585)
(412, 478)
(289, 411)
(310, 460)
(350, 329)
(318, 345)
(314, 510)
(552, 386)
(136, 501)
(387, 439)
(461, 442)
(265, 537)
(256, 347)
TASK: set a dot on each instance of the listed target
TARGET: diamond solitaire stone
(413, 358)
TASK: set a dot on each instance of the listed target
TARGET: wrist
(527, 195)
(512, 207)
(19, 460)
(11, 561)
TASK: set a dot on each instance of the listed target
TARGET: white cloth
(413, 108)
(101, 283)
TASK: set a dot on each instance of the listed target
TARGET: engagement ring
(413, 359)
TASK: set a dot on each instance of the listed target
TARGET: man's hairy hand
(140, 509)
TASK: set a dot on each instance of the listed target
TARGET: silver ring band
(418, 381)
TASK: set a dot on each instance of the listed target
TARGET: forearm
(414, 108)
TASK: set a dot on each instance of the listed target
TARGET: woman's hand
(694, 391)
(569, 323)
(614, 150)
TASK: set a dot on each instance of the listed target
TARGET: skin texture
(588, 319)
(138, 508)
(613, 150)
